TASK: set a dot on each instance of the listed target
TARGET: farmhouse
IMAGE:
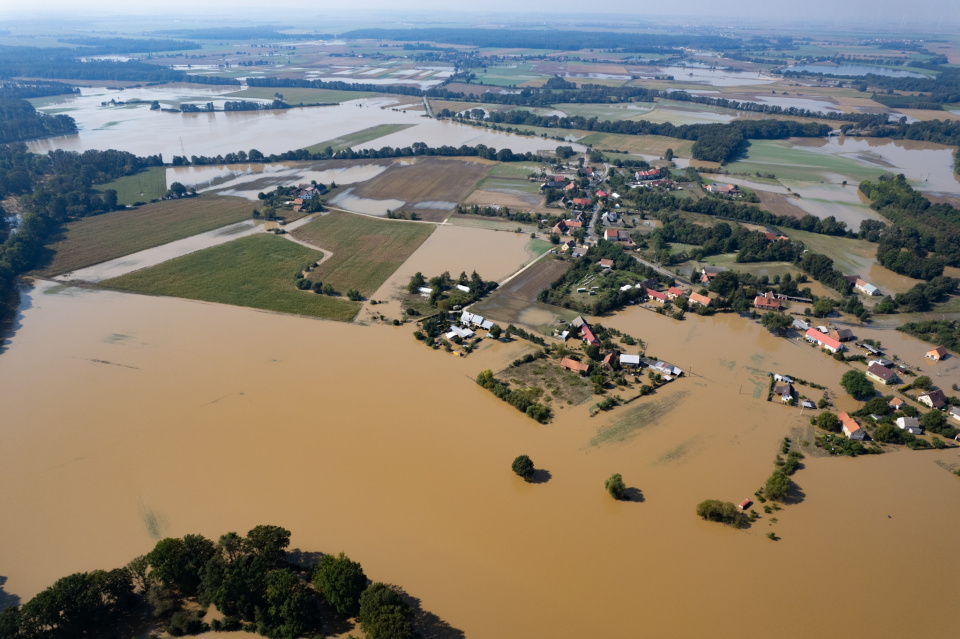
(936, 354)
(574, 365)
(850, 427)
(710, 272)
(824, 341)
(657, 296)
(842, 335)
(723, 189)
(909, 424)
(866, 287)
(933, 399)
(702, 300)
(767, 303)
(784, 392)
(673, 293)
(895, 403)
(630, 361)
(881, 374)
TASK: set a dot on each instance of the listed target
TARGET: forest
(20, 121)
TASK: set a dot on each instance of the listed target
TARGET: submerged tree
(615, 486)
(523, 466)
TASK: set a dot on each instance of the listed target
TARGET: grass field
(256, 271)
(642, 144)
(607, 111)
(510, 185)
(358, 137)
(514, 170)
(366, 251)
(791, 163)
(104, 237)
(294, 96)
(142, 187)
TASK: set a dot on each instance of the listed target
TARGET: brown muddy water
(127, 418)
(137, 129)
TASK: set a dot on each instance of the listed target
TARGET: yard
(366, 251)
(99, 238)
(256, 271)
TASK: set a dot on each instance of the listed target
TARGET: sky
(891, 12)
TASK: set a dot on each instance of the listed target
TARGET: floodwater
(163, 426)
(855, 70)
(715, 77)
(247, 180)
(369, 206)
(137, 129)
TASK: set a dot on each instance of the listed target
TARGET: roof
(940, 351)
(895, 402)
(630, 359)
(765, 302)
(842, 334)
(657, 295)
(848, 422)
(721, 188)
(580, 201)
(825, 340)
(588, 335)
(936, 397)
(745, 504)
(783, 389)
(700, 299)
(574, 365)
(908, 422)
(611, 233)
(673, 290)
(461, 287)
(606, 263)
(713, 270)
(882, 372)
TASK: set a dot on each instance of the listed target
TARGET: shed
(461, 287)
(746, 503)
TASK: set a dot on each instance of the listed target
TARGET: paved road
(660, 269)
(427, 106)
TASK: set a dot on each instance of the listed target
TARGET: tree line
(249, 579)
(20, 121)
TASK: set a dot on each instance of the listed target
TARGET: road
(660, 269)
(428, 107)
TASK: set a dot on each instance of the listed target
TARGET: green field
(793, 163)
(142, 187)
(539, 247)
(505, 76)
(642, 144)
(359, 137)
(294, 96)
(256, 271)
(99, 238)
(510, 186)
(366, 251)
(607, 111)
(514, 170)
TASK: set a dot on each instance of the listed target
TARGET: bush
(523, 466)
(615, 486)
(721, 511)
(354, 295)
(778, 486)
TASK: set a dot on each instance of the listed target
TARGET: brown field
(779, 204)
(453, 105)
(643, 144)
(924, 114)
(516, 202)
(516, 301)
(426, 180)
(536, 278)
(105, 237)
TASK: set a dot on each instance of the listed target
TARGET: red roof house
(574, 365)
(657, 295)
(825, 341)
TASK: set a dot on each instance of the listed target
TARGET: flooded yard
(442, 514)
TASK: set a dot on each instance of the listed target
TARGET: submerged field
(366, 251)
(256, 271)
(99, 238)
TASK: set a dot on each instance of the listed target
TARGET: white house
(954, 412)
(866, 287)
(909, 424)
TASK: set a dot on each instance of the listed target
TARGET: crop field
(442, 183)
(791, 163)
(294, 96)
(514, 170)
(494, 223)
(508, 76)
(99, 238)
(510, 185)
(629, 111)
(358, 137)
(366, 251)
(779, 204)
(142, 187)
(256, 271)
(516, 301)
(453, 105)
(639, 144)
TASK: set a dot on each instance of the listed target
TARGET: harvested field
(431, 187)
(366, 251)
(517, 201)
(779, 204)
(105, 237)
(515, 302)
(452, 105)
(256, 271)
(535, 279)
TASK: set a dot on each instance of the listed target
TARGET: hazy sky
(891, 12)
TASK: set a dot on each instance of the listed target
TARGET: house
(609, 359)
(574, 365)
(851, 279)
(954, 412)
(895, 403)
(570, 186)
(909, 424)
(824, 341)
(602, 194)
(767, 303)
(611, 235)
(456, 331)
(937, 354)
(881, 361)
(611, 219)
(866, 287)
(933, 399)
(564, 227)
(650, 174)
(710, 272)
(850, 427)
(581, 202)
(777, 377)
(842, 335)
(723, 189)
(697, 298)
(673, 293)
(784, 392)
(629, 361)
(881, 374)
(657, 296)
(606, 263)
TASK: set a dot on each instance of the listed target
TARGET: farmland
(515, 302)
(295, 96)
(358, 137)
(256, 271)
(143, 187)
(366, 251)
(639, 144)
(99, 238)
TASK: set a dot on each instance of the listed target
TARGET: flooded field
(855, 70)
(442, 514)
(137, 129)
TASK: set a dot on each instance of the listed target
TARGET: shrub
(615, 486)
(721, 511)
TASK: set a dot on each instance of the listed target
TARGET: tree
(177, 562)
(933, 421)
(615, 486)
(822, 307)
(354, 295)
(292, 607)
(778, 486)
(828, 422)
(856, 383)
(523, 466)
(177, 189)
(723, 511)
(776, 323)
(495, 331)
(342, 582)
(923, 383)
(384, 614)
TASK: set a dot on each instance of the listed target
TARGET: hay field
(440, 182)
(366, 251)
(99, 238)
(256, 271)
